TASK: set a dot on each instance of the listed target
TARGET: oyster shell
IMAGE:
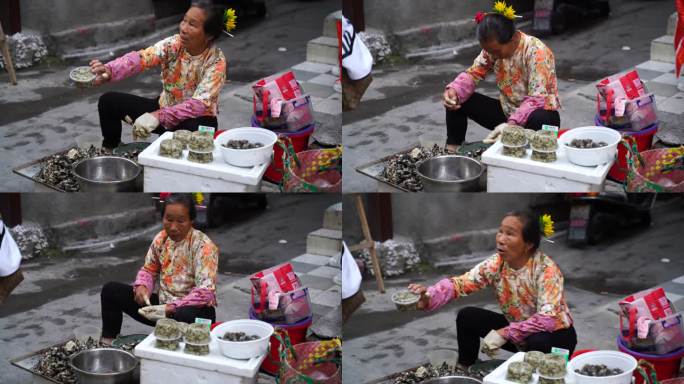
(56, 170)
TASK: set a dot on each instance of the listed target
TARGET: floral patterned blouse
(526, 81)
(186, 269)
(191, 84)
(531, 298)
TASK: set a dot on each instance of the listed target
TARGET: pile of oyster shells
(400, 170)
(54, 362)
(56, 171)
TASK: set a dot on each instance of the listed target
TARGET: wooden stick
(4, 45)
(369, 241)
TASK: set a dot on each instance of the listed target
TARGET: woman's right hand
(142, 296)
(450, 99)
(420, 290)
(102, 73)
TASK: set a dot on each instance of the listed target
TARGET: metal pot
(450, 173)
(452, 380)
(104, 366)
(108, 174)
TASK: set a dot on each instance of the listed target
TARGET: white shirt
(10, 256)
(351, 276)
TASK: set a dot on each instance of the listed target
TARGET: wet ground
(380, 341)
(62, 293)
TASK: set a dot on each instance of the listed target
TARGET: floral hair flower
(501, 8)
(546, 225)
(505, 10)
(229, 20)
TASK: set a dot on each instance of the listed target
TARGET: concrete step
(326, 242)
(662, 49)
(332, 218)
(672, 24)
(330, 24)
(322, 49)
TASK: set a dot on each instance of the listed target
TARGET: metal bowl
(104, 366)
(452, 380)
(450, 173)
(107, 174)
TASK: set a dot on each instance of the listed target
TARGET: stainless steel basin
(107, 174)
(104, 366)
(451, 173)
(452, 380)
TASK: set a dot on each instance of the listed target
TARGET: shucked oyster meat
(242, 144)
(238, 336)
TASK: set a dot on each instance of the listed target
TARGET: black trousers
(118, 298)
(487, 112)
(115, 106)
(473, 323)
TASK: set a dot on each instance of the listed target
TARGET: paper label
(207, 130)
(551, 128)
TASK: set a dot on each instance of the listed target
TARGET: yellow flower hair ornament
(229, 21)
(507, 11)
(501, 8)
(546, 225)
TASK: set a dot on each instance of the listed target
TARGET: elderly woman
(193, 73)
(528, 286)
(525, 75)
(183, 260)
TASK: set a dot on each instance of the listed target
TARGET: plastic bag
(641, 112)
(280, 278)
(270, 92)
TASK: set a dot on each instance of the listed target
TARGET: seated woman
(184, 259)
(193, 73)
(525, 75)
(528, 286)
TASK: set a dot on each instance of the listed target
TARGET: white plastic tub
(247, 157)
(590, 157)
(243, 349)
(611, 359)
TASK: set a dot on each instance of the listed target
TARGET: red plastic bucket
(666, 366)
(297, 334)
(579, 352)
(300, 142)
(643, 140)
